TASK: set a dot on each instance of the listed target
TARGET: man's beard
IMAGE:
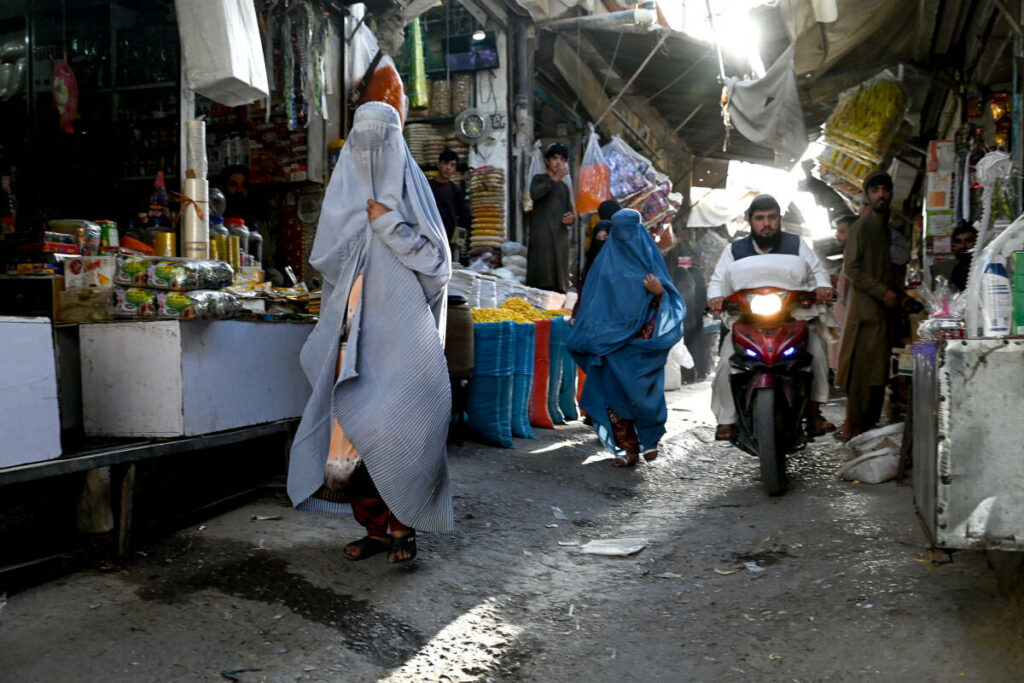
(769, 243)
(963, 256)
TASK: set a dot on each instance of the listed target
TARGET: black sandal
(400, 543)
(368, 546)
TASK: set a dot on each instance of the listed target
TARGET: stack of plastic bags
(513, 257)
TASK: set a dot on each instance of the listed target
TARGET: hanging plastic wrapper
(990, 290)
(988, 287)
(462, 92)
(945, 311)
(628, 169)
(222, 50)
(592, 184)
(536, 168)
(418, 90)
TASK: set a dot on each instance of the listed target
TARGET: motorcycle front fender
(767, 380)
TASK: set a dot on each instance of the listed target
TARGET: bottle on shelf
(256, 246)
(236, 227)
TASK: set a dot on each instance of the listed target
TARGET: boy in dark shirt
(451, 202)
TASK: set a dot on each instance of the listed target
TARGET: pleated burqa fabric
(392, 396)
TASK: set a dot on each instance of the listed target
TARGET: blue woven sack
(489, 406)
(567, 393)
(522, 380)
(559, 331)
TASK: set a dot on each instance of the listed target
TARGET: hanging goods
(592, 187)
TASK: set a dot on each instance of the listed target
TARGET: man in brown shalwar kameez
(865, 351)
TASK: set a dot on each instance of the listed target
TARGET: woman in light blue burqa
(629, 317)
(373, 435)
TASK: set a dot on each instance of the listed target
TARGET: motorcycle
(771, 377)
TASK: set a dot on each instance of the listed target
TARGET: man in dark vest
(766, 237)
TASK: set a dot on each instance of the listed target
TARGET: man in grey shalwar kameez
(375, 359)
(547, 264)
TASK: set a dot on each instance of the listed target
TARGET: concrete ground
(831, 582)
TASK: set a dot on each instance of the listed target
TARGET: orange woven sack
(539, 415)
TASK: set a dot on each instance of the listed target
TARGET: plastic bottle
(217, 226)
(236, 227)
(256, 246)
(996, 301)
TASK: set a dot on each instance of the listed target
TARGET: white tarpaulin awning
(744, 182)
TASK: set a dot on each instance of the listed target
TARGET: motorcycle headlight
(765, 304)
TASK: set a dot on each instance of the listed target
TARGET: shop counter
(968, 445)
(165, 379)
(29, 410)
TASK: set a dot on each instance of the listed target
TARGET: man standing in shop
(956, 269)
(547, 264)
(451, 202)
(865, 351)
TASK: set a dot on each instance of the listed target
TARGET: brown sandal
(725, 433)
(625, 459)
(650, 454)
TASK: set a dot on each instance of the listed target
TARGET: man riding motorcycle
(766, 237)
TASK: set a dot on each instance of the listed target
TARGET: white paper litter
(614, 547)
(557, 512)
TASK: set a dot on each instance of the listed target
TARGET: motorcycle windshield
(784, 271)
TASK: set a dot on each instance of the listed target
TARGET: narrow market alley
(830, 582)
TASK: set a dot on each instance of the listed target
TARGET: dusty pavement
(830, 582)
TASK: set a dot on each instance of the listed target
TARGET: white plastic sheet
(223, 50)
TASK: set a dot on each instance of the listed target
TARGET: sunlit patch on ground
(463, 650)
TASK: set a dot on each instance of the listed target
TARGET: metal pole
(1018, 144)
(689, 118)
(615, 100)
(718, 45)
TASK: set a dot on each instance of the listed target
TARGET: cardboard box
(940, 191)
(941, 156)
(81, 272)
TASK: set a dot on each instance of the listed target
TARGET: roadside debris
(265, 518)
(614, 547)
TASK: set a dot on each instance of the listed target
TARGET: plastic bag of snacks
(592, 186)
(134, 302)
(440, 98)
(462, 92)
(195, 304)
(184, 275)
(627, 168)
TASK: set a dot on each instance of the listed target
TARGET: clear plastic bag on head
(592, 186)
(536, 168)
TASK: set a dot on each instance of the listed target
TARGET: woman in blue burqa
(373, 433)
(630, 315)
